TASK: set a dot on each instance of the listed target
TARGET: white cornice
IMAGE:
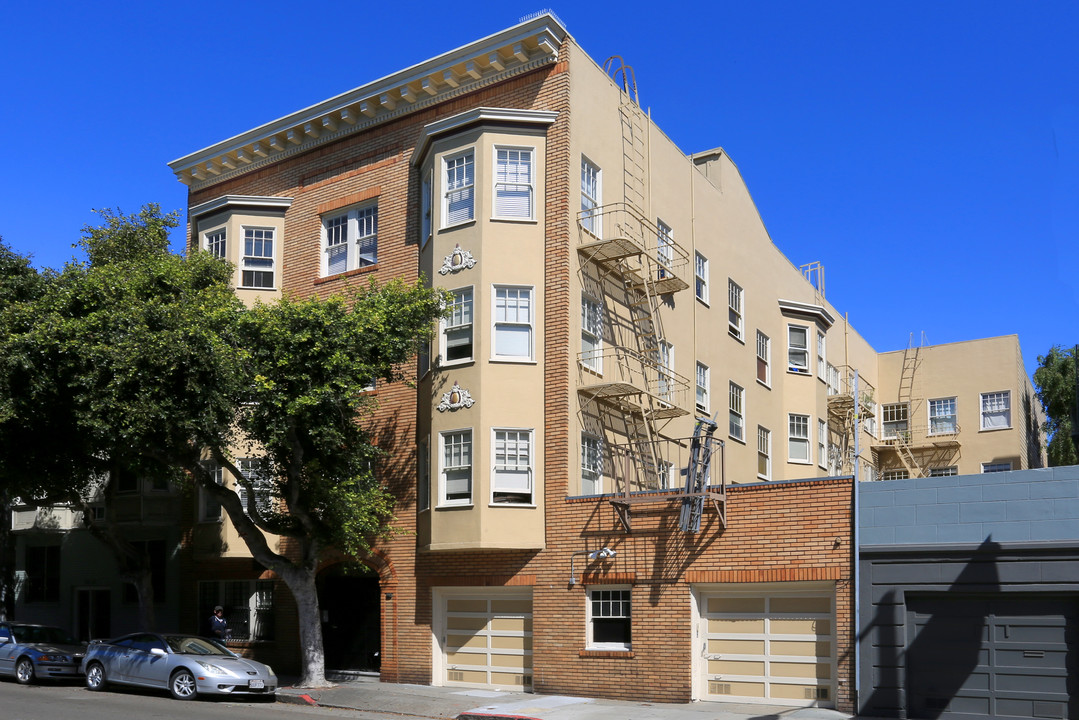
(225, 201)
(523, 47)
(819, 312)
(479, 116)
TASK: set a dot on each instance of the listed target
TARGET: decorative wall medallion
(457, 260)
(455, 399)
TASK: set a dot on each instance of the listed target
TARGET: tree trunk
(301, 582)
(143, 580)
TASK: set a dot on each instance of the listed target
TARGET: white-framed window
(666, 370)
(592, 333)
(700, 277)
(702, 387)
(664, 248)
(455, 468)
(350, 239)
(798, 438)
(764, 359)
(943, 471)
(255, 471)
(822, 443)
(511, 466)
(591, 187)
(735, 310)
(996, 467)
(514, 184)
(215, 243)
(257, 265)
(457, 328)
(209, 506)
(609, 618)
(512, 336)
(591, 464)
(798, 348)
(737, 412)
(942, 416)
(764, 453)
(996, 410)
(833, 379)
(870, 422)
(459, 198)
(822, 356)
(426, 204)
(423, 474)
(894, 475)
(895, 421)
(248, 606)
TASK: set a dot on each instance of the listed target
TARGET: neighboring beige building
(608, 290)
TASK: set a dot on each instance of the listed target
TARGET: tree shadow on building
(926, 648)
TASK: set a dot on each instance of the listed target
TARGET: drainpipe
(855, 591)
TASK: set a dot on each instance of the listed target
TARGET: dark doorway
(348, 595)
(93, 614)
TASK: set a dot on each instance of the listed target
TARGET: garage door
(991, 656)
(775, 647)
(487, 640)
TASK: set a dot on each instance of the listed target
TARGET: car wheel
(95, 677)
(24, 671)
(182, 685)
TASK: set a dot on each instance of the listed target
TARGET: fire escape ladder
(634, 161)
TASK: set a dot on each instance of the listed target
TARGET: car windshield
(191, 645)
(34, 634)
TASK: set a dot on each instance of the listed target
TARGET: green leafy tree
(1055, 383)
(157, 369)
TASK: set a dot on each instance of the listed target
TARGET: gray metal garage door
(998, 656)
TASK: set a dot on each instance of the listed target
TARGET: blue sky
(927, 153)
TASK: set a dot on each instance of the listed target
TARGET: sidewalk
(423, 701)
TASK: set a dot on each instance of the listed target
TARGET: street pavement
(367, 694)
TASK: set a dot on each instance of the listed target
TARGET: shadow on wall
(949, 642)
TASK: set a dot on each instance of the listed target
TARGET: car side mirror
(158, 651)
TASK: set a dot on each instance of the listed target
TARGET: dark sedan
(185, 665)
(33, 652)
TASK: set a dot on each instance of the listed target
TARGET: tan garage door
(773, 647)
(488, 641)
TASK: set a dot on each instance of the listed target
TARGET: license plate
(256, 684)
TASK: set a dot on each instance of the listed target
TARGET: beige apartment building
(609, 290)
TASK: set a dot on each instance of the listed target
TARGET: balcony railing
(618, 374)
(618, 232)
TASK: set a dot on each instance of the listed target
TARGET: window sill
(738, 440)
(589, 653)
(991, 430)
(797, 371)
(799, 462)
(733, 336)
(468, 506)
(763, 478)
(702, 301)
(455, 363)
(263, 289)
(522, 221)
(455, 226)
(513, 361)
(526, 506)
(346, 274)
(764, 384)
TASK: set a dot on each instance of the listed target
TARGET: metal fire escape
(639, 265)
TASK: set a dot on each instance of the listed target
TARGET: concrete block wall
(1017, 506)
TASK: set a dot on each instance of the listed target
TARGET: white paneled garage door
(774, 645)
(485, 639)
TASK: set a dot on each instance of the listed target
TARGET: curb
(292, 699)
(490, 716)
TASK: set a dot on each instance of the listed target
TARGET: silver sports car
(32, 652)
(185, 665)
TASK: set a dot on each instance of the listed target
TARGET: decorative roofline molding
(521, 48)
(267, 202)
(819, 312)
(479, 116)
